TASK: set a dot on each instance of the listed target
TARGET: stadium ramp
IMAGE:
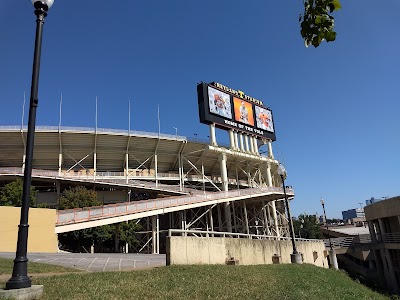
(82, 218)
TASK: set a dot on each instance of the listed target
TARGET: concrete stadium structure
(163, 181)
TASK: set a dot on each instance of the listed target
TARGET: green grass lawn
(6, 266)
(209, 282)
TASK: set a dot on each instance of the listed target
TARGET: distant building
(353, 216)
(373, 200)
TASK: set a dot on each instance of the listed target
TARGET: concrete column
(333, 259)
(273, 207)
(213, 136)
(127, 166)
(59, 163)
(270, 153)
(94, 165)
(116, 245)
(246, 143)
(155, 234)
(251, 144)
(241, 142)
(23, 163)
(255, 145)
(235, 136)
(219, 218)
(393, 280)
(382, 229)
(156, 168)
(372, 231)
(210, 216)
(231, 139)
(180, 173)
(246, 219)
(224, 172)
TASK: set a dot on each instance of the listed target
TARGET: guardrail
(390, 238)
(90, 178)
(202, 233)
(93, 213)
(347, 242)
(98, 130)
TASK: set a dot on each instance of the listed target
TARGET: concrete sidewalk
(97, 262)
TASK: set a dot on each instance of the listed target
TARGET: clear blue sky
(335, 107)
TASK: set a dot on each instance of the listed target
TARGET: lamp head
(282, 171)
(48, 3)
(322, 201)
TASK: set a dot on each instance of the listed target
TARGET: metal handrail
(233, 234)
(390, 238)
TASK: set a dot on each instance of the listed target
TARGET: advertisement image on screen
(264, 119)
(243, 111)
(219, 103)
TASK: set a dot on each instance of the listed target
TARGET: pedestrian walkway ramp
(76, 219)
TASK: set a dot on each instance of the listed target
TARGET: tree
(103, 236)
(11, 194)
(78, 197)
(307, 227)
(317, 23)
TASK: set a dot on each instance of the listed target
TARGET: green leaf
(336, 4)
(330, 36)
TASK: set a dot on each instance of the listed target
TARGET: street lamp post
(332, 253)
(20, 277)
(295, 257)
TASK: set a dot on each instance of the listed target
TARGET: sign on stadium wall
(233, 109)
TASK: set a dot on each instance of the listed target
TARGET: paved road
(97, 262)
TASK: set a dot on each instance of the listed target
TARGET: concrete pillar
(246, 143)
(156, 168)
(251, 144)
(392, 274)
(59, 163)
(155, 230)
(382, 229)
(23, 162)
(180, 172)
(372, 231)
(211, 221)
(231, 139)
(333, 259)
(224, 172)
(270, 153)
(241, 142)
(255, 145)
(246, 219)
(127, 166)
(212, 135)
(94, 165)
(273, 207)
(235, 137)
(116, 245)
(220, 228)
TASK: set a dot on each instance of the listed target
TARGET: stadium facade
(172, 182)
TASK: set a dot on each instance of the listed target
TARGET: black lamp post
(295, 257)
(326, 223)
(332, 253)
(20, 277)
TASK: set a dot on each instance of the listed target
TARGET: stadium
(169, 185)
(129, 167)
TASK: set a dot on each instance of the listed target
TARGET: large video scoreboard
(232, 109)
